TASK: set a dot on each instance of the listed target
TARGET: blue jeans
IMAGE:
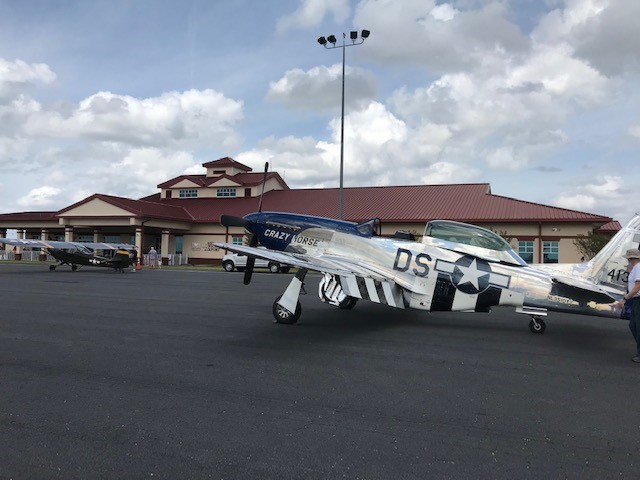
(634, 322)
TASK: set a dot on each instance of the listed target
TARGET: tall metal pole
(354, 41)
(341, 192)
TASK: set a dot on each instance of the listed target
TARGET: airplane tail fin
(609, 267)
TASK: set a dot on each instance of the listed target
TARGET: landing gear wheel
(52, 268)
(348, 303)
(282, 315)
(274, 268)
(537, 325)
(228, 266)
(74, 268)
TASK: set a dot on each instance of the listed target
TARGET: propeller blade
(251, 261)
(248, 270)
(231, 221)
(264, 180)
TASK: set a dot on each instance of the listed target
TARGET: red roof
(243, 179)
(140, 208)
(226, 162)
(472, 203)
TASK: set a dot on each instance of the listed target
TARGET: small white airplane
(456, 267)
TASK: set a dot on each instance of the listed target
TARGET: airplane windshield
(466, 234)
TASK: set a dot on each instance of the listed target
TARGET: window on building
(112, 239)
(237, 240)
(179, 244)
(85, 238)
(226, 192)
(188, 193)
(525, 250)
(168, 194)
(247, 192)
(550, 252)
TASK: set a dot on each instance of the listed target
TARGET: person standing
(633, 297)
(153, 258)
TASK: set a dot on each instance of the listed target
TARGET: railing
(174, 259)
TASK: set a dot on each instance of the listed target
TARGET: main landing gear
(287, 308)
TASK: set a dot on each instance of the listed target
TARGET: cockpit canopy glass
(466, 234)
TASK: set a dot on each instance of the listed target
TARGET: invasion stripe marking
(371, 290)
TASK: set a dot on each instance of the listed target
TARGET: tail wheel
(282, 315)
(537, 325)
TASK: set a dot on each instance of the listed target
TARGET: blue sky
(537, 98)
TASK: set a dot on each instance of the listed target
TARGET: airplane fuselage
(434, 278)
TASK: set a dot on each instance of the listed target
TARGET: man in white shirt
(633, 295)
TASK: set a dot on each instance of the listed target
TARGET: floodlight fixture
(332, 39)
(365, 33)
(354, 36)
(322, 41)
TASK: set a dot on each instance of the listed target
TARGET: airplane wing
(335, 265)
(60, 244)
(288, 258)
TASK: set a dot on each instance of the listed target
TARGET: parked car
(235, 261)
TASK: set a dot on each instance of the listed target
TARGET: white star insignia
(471, 274)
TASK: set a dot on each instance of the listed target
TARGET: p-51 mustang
(82, 253)
(456, 267)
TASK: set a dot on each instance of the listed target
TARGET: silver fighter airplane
(456, 267)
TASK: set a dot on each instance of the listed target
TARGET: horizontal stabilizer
(586, 291)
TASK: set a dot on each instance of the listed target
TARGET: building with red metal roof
(184, 217)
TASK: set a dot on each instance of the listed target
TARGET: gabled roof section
(198, 180)
(136, 208)
(243, 179)
(226, 162)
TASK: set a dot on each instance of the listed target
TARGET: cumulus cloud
(179, 120)
(319, 89)
(604, 33)
(311, 13)
(18, 76)
(39, 197)
(606, 194)
(438, 35)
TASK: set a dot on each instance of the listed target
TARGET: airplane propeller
(248, 272)
(232, 221)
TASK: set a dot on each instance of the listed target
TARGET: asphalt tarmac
(175, 374)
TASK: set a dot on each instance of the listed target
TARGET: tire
(348, 303)
(228, 266)
(538, 326)
(274, 268)
(283, 315)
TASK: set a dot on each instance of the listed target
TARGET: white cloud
(438, 37)
(319, 88)
(16, 76)
(311, 13)
(190, 119)
(605, 33)
(39, 197)
(634, 131)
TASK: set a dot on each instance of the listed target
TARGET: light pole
(354, 41)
